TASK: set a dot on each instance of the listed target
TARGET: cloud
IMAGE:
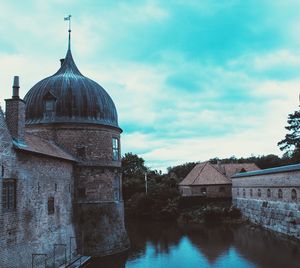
(191, 79)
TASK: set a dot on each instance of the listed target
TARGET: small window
(280, 195)
(49, 108)
(294, 195)
(238, 191)
(9, 195)
(2, 171)
(203, 190)
(117, 188)
(55, 187)
(81, 192)
(81, 151)
(116, 149)
(251, 192)
(222, 189)
(268, 193)
(51, 205)
(259, 193)
(49, 101)
(244, 192)
(49, 105)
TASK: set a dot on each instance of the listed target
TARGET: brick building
(60, 172)
(270, 197)
(209, 180)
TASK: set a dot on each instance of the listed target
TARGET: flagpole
(146, 186)
(69, 19)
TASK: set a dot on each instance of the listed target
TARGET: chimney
(62, 62)
(16, 87)
(15, 113)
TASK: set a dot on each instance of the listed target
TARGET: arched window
(251, 192)
(244, 192)
(280, 194)
(268, 193)
(294, 195)
(259, 193)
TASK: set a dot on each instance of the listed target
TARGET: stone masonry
(270, 197)
(28, 228)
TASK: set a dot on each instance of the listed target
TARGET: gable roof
(210, 174)
(35, 144)
(231, 169)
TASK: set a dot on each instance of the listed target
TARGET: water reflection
(168, 245)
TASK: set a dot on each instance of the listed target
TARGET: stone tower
(77, 114)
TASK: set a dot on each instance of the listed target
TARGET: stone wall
(29, 229)
(272, 200)
(278, 216)
(101, 227)
(213, 191)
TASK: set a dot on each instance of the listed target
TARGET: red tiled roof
(209, 174)
(35, 144)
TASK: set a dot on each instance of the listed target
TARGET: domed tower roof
(69, 97)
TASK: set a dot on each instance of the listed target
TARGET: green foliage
(263, 161)
(133, 175)
(161, 202)
(291, 143)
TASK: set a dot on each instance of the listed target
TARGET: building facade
(61, 172)
(270, 197)
(212, 180)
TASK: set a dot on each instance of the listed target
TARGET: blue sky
(191, 79)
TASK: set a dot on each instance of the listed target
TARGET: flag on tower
(67, 18)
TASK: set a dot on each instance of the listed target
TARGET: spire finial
(69, 19)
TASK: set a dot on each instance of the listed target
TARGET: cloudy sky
(191, 79)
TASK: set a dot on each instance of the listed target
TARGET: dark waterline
(168, 245)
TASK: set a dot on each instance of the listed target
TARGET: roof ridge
(205, 163)
(221, 172)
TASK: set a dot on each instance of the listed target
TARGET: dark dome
(69, 97)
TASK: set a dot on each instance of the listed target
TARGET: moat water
(165, 245)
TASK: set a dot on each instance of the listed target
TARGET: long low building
(270, 197)
(212, 180)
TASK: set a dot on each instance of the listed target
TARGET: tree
(291, 143)
(134, 170)
(179, 172)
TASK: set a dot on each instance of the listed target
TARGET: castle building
(61, 177)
